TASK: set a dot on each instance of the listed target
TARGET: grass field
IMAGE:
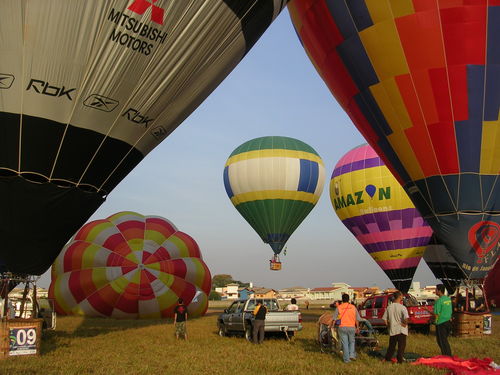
(102, 346)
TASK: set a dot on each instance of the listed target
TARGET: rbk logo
(42, 87)
(135, 116)
(140, 7)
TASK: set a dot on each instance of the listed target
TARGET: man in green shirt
(442, 311)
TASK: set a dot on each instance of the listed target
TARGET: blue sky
(275, 90)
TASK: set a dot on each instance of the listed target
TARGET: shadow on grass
(308, 345)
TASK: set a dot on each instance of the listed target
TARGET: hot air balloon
(274, 182)
(87, 89)
(443, 265)
(419, 79)
(130, 266)
(374, 207)
(492, 285)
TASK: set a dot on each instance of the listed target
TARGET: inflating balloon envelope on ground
(87, 89)
(420, 80)
(130, 266)
(274, 182)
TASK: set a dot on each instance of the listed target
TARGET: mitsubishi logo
(140, 7)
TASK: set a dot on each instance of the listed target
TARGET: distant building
(230, 291)
(362, 292)
(333, 292)
(422, 294)
(294, 292)
(264, 293)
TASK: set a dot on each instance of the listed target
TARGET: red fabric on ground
(459, 366)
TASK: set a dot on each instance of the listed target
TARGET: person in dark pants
(259, 312)
(396, 318)
(442, 318)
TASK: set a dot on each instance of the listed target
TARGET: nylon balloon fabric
(130, 266)
(420, 80)
(274, 182)
(443, 265)
(377, 211)
(87, 89)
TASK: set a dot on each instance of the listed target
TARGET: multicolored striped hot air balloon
(374, 207)
(274, 182)
(130, 266)
(420, 80)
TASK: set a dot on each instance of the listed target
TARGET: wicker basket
(29, 327)
(468, 325)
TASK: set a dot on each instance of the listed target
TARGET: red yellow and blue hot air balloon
(420, 80)
(374, 207)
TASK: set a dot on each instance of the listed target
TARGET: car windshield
(410, 301)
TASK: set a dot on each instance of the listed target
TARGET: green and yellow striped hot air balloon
(274, 182)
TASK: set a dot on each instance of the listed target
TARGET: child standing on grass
(180, 317)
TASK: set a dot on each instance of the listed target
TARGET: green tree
(214, 296)
(219, 281)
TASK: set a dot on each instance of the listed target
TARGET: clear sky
(275, 90)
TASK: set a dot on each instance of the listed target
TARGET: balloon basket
(275, 264)
(471, 324)
(20, 337)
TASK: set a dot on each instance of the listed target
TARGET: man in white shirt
(396, 317)
(292, 306)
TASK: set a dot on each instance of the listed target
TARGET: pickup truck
(238, 319)
(373, 309)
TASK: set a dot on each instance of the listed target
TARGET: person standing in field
(259, 312)
(292, 306)
(180, 317)
(442, 318)
(349, 318)
(396, 318)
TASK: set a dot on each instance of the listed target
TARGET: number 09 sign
(22, 341)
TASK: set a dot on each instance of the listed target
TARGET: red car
(373, 309)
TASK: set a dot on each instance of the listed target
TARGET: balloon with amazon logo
(420, 80)
(377, 211)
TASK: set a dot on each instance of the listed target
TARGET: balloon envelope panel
(374, 207)
(274, 182)
(87, 89)
(443, 265)
(420, 81)
(130, 266)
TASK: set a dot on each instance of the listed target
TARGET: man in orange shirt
(348, 317)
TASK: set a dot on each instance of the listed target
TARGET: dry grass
(100, 346)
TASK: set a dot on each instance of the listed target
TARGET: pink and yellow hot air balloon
(130, 266)
(374, 207)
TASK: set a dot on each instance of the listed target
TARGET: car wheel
(248, 333)
(222, 330)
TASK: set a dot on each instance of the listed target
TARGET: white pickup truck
(238, 318)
